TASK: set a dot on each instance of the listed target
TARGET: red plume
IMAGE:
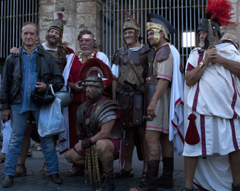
(107, 73)
(60, 15)
(130, 16)
(220, 11)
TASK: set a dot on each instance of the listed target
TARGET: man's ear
(162, 34)
(138, 34)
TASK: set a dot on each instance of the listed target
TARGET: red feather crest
(220, 11)
(107, 73)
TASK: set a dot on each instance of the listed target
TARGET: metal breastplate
(138, 67)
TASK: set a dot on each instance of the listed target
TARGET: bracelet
(202, 65)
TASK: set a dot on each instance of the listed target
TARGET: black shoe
(7, 181)
(56, 178)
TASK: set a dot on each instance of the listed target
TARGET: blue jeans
(18, 123)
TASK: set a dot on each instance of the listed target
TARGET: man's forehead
(87, 36)
(29, 27)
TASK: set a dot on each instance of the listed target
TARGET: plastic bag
(6, 131)
(51, 120)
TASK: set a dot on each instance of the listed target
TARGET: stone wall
(235, 29)
(85, 14)
(77, 15)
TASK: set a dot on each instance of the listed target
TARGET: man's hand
(6, 114)
(210, 54)
(15, 50)
(78, 146)
(218, 59)
(77, 86)
(41, 87)
(151, 110)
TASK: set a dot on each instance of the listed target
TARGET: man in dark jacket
(31, 69)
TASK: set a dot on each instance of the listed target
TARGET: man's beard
(201, 44)
(85, 52)
(53, 43)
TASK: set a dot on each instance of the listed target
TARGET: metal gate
(183, 15)
(13, 13)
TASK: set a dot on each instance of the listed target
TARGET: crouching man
(95, 119)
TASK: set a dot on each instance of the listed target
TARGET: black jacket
(48, 72)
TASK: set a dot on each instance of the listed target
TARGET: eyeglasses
(87, 40)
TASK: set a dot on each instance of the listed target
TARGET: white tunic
(217, 111)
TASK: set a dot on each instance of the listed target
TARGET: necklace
(89, 56)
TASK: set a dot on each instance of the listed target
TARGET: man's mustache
(84, 46)
(52, 36)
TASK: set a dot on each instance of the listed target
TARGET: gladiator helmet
(131, 23)
(158, 23)
(217, 16)
(57, 24)
(89, 76)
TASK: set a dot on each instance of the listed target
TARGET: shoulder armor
(80, 112)
(163, 53)
(123, 50)
(120, 48)
(101, 110)
(63, 51)
(145, 48)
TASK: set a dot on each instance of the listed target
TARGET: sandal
(75, 171)
(29, 153)
(21, 170)
(2, 160)
(45, 172)
(124, 174)
(144, 174)
(186, 189)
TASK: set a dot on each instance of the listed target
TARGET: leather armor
(161, 55)
(60, 56)
(103, 112)
(130, 90)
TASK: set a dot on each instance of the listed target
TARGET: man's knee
(104, 146)
(152, 137)
(68, 156)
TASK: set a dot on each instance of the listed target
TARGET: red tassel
(192, 136)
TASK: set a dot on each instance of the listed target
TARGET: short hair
(30, 23)
(83, 32)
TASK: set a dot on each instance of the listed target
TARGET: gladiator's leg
(21, 169)
(234, 159)
(73, 157)
(166, 179)
(128, 158)
(105, 150)
(141, 132)
(190, 167)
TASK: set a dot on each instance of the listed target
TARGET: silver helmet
(65, 96)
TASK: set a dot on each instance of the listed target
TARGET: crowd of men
(140, 99)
